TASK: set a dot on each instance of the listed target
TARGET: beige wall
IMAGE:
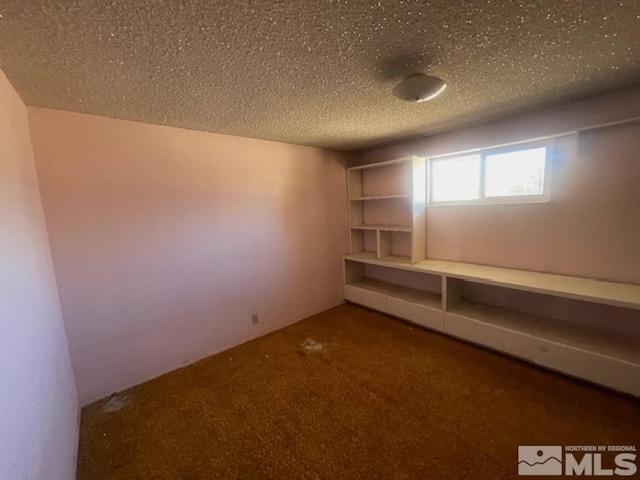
(166, 241)
(38, 397)
(590, 228)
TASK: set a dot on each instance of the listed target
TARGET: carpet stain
(115, 403)
(310, 346)
(393, 402)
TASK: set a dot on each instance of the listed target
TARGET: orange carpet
(347, 394)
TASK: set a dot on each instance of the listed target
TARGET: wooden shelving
(609, 293)
(381, 197)
(602, 357)
(392, 261)
(412, 295)
(416, 306)
(385, 197)
(598, 341)
(384, 228)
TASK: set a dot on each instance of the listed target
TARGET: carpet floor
(346, 394)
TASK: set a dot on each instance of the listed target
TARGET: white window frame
(544, 197)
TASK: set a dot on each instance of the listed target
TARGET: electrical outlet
(254, 319)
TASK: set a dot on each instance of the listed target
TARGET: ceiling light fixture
(418, 88)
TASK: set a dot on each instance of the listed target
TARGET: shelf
(390, 163)
(395, 258)
(604, 358)
(389, 200)
(612, 345)
(381, 197)
(391, 261)
(416, 306)
(419, 297)
(384, 228)
(609, 293)
(390, 258)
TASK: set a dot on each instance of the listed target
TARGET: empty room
(341, 239)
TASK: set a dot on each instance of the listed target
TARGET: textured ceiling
(316, 72)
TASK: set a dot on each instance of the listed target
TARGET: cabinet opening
(423, 282)
(397, 244)
(363, 241)
(414, 288)
(573, 322)
(393, 211)
(390, 180)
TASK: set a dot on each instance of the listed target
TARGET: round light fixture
(419, 88)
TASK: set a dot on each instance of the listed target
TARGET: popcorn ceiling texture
(316, 73)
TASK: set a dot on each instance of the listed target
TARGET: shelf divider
(451, 292)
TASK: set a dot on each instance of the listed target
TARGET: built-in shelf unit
(388, 199)
(436, 295)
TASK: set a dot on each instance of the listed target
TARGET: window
(514, 174)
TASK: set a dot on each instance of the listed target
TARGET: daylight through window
(514, 174)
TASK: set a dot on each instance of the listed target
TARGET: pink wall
(166, 241)
(590, 228)
(38, 397)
